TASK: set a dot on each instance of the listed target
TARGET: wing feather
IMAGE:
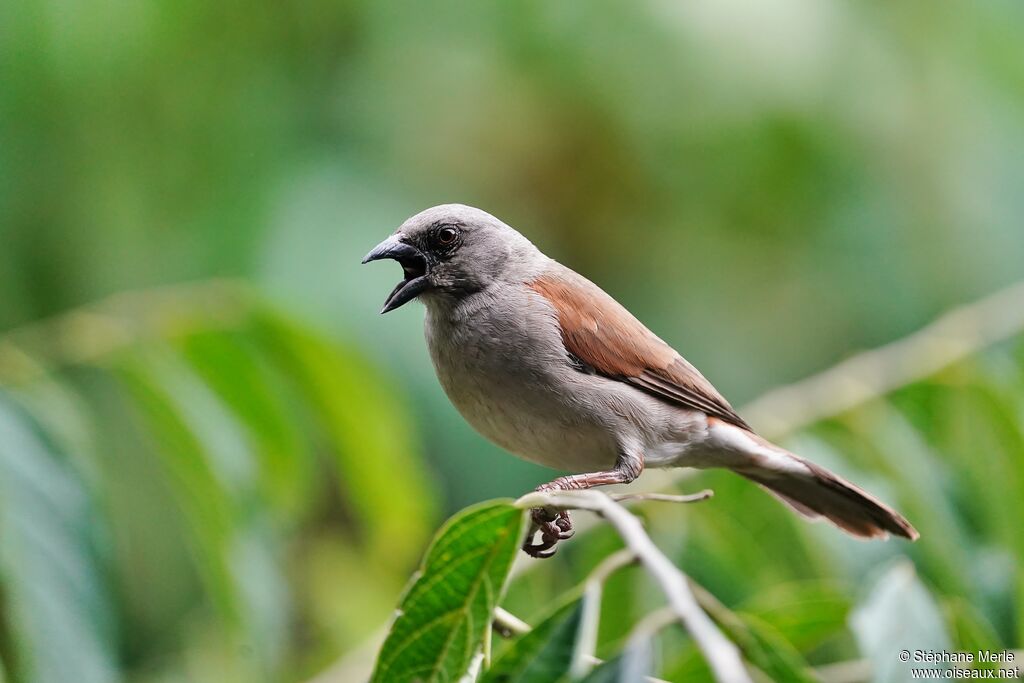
(598, 331)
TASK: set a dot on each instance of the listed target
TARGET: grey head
(451, 251)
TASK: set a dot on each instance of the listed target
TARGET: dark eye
(447, 235)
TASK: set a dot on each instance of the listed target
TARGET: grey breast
(499, 357)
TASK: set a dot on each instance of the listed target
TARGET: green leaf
(231, 365)
(544, 654)
(761, 644)
(899, 614)
(609, 672)
(631, 666)
(687, 665)
(443, 617)
(804, 613)
(977, 418)
(214, 479)
(888, 441)
(201, 492)
(970, 631)
(724, 547)
(383, 481)
(769, 651)
(55, 602)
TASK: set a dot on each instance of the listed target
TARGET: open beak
(414, 265)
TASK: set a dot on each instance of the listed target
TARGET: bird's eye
(447, 235)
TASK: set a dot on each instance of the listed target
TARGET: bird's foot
(553, 525)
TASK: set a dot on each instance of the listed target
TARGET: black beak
(414, 264)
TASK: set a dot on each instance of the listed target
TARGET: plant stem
(723, 657)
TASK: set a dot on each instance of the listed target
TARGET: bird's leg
(556, 525)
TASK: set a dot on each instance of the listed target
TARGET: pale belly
(528, 422)
(514, 399)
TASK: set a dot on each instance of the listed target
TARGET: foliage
(227, 430)
(447, 610)
(799, 614)
(546, 652)
(215, 484)
(218, 427)
(841, 179)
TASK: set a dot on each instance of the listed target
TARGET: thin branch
(710, 604)
(508, 625)
(583, 658)
(475, 667)
(637, 653)
(951, 338)
(596, 661)
(487, 642)
(593, 588)
(649, 626)
(723, 657)
(663, 497)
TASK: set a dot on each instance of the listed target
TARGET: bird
(545, 364)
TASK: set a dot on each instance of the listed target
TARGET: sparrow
(545, 364)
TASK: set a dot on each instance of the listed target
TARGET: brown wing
(598, 331)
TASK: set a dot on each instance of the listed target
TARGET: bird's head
(449, 252)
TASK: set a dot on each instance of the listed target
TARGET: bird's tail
(815, 492)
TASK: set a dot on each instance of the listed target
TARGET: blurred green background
(231, 479)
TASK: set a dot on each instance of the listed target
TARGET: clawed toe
(553, 525)
(548, 538)
(542, 550)
(564, 524)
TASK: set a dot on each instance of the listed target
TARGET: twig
(722, 656)
(597, 661)
(475, 666)
(649, 626)
(710, 604)
(637, 653)
(508, 625)
(663, 497)
(583, 659)
(486, 644)
(951, 338)
(593, 587)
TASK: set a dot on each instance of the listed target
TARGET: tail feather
(824, 494)
(811, 489)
